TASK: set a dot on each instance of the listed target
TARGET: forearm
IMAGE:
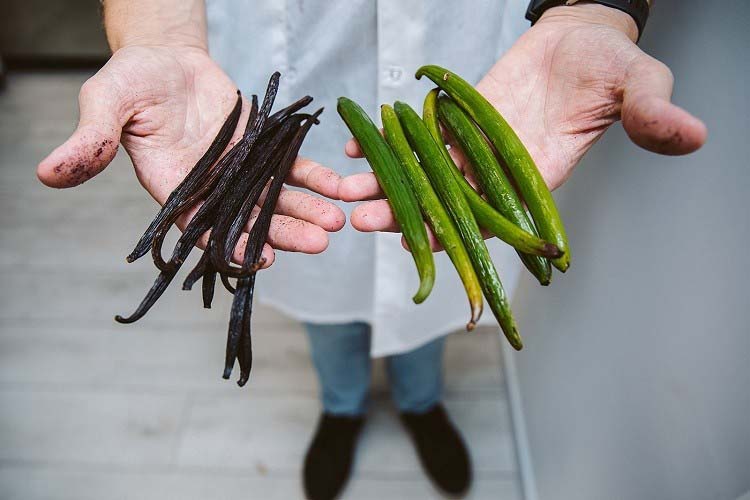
(155, 22)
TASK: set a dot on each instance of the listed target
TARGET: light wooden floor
(90, 409)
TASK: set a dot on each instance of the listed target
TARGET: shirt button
(394, 74)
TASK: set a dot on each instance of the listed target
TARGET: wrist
(151, 23)
(594, 14)
(119, 41)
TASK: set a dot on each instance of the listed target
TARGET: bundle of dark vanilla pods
(227, 188)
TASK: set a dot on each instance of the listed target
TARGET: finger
(435, 244)
(276, 239)
(94, 143)
(267, 256)
(295, 235)
(360, 187)
(353, 149)
(315, 177)
(650, 119)
(374, 216)
(184, 219)
(309, 208)
(285, 233)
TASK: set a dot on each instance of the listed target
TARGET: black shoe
(441, 450)
(328, 462)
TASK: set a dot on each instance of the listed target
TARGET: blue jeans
(341, 354)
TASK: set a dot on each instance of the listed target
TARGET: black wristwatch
(638, 9)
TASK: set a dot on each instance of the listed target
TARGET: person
(560, 84)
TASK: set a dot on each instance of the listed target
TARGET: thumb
(94, 143)
(650, 119)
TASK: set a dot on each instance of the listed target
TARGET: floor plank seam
(180, 431)
(151, 390)
(224, 471)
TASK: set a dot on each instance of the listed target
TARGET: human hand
(563, 83)
(165, 104)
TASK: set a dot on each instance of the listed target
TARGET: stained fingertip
(310, 208)
(698, 134)
(321, 247)
(329, 217)
(84, 155)
(294, 235)
(360, 220)
(268, 255)
(311, 239)
(338, 221)
(374, 216)
(659, 126)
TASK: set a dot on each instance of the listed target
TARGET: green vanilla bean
(527, 244)
(437, 217)
(401, 198)
(529, 180)
(495, 185)
(444, 182)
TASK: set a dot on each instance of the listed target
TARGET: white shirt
(367, 50)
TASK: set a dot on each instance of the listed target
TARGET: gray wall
(52, 29)
(636, 375)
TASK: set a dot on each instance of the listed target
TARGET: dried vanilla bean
(226, 189)
(192, 180)
(242, 303)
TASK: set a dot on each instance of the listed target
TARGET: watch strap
(637, 9)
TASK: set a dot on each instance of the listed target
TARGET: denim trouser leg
(416, 377)
(341, 355)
